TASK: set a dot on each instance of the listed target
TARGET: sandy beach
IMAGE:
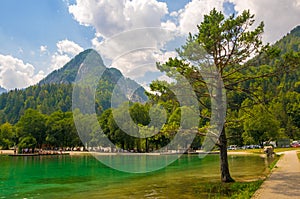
(77, 153)
(6, 152)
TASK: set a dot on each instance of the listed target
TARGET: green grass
(261, 151)
(255, 151)
(277, 150)
(298, 154)
(273, 164)
(235, 190)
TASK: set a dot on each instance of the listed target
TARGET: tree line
(37, 130)
(57, 130)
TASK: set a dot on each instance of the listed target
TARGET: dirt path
(284, 181)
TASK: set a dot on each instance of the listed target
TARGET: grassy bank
(261, 151)
(278, 150)
(273, 164)
(236, 190)
(227, 190)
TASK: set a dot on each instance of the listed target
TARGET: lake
(85, 177)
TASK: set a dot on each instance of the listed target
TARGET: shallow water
(85, 177)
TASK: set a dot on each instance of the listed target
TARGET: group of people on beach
(26, 151)
(37, 151)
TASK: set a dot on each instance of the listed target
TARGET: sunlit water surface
(85, 177)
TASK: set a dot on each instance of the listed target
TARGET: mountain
(111, 76)
(68, 72)
(91, 59)
(54, 92)
(2, 90)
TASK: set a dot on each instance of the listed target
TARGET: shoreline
(82, 153)
(6, 152)
(93, 153)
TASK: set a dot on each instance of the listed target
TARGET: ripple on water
(85, 177)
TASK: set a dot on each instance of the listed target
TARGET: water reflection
(84, 176)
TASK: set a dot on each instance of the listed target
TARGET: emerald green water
(85, 177)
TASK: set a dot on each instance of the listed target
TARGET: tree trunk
(220, 115)
(225, 174)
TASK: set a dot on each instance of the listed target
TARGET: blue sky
(38, 37)
(27, 25)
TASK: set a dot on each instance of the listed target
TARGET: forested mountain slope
(54, 92)
(273, 112)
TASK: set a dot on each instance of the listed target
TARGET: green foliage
(6, 135)
(32, 123)
(27, 142)
(229, 40)
(46, 98)
(260, 125)
(148, 124)
(61, 130)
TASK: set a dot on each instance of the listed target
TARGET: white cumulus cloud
(279, 16)
(68, 47)
(43, 49)
(58, 60)
(193, 12)
(111, 17)
(14, 73)
(66, 50)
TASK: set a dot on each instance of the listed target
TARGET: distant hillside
(290, 42)
(55, 91)
(285, 80)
